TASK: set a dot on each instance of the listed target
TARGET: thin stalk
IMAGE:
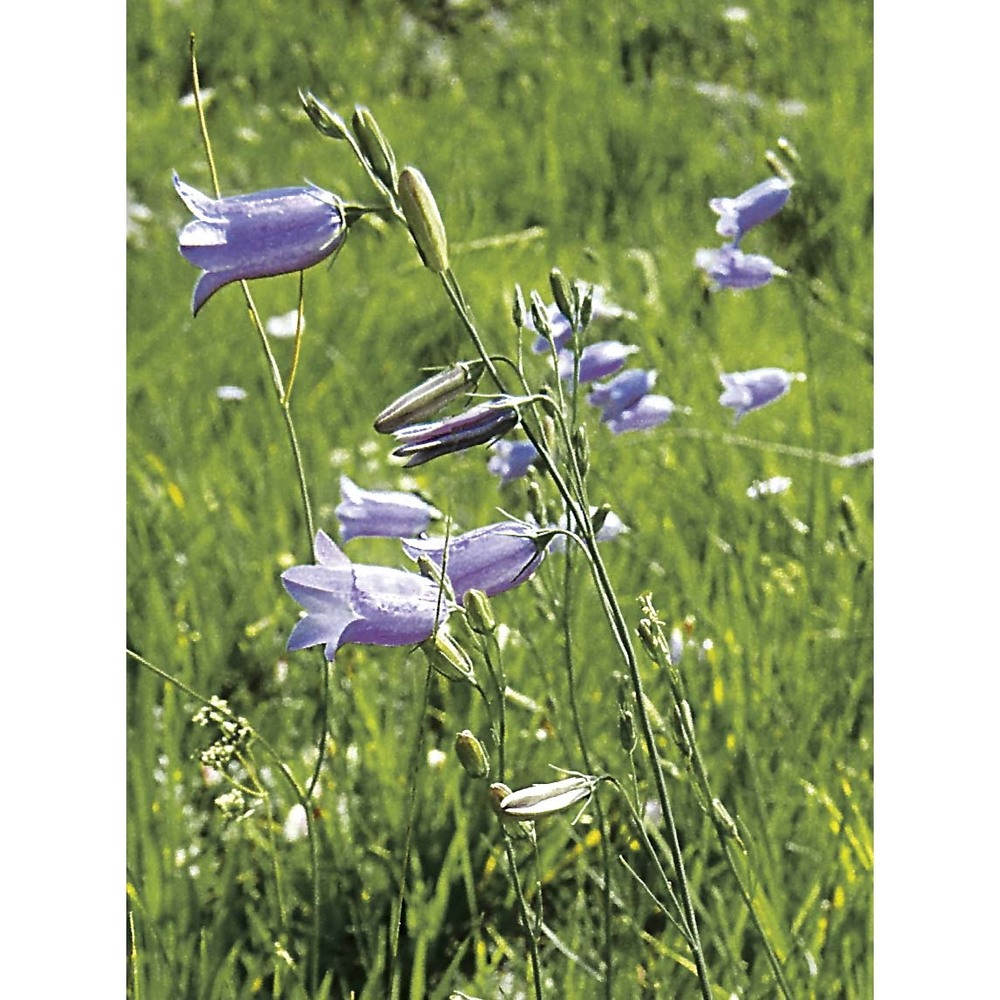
(619, 629)
(536, 965)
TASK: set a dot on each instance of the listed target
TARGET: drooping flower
(750, 390)
(381, 513)
(511, 459)
(257, 235)
(649, 412)
(622, 392)
(477, 425)
(596, 360)
(729, 267)
(348, 602)
(758, 204)
(491, 559)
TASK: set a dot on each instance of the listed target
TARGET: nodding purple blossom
(622, 392)
(479, 424)
(511, 459)
(347, 602)
(602, 308)
(596, 360)
(381, 513)
(758, 204)
(730, 267)
(647, 413)
(750, 390)
(257, 235)
(491, 559)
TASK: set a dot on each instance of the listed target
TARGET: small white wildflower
(296, 823)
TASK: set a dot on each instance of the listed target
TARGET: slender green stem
(619, 629)
(536, 965)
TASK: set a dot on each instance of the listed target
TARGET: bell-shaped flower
(596, 360)
(381, 513)
(622, 392)
(740, 214)
(348, 602)
(491, 559)
(750, 390)
(511, 459)
(479, 424)
(257, 235)
(647, 413)
(729, 267)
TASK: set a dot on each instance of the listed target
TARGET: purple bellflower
(491, 559)
(740, 214)
(729, 267)
(372, 605)
(511, 459)
(381, 513)
(622, 392)
(750, 390)
(647, 413)
(479, 424)
(257, 235)
(596, 360)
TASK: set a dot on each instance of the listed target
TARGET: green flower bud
(479, 612)
(849, 513)
(540, 315)
(374, 145)
(561, 293)
(424, 219)
(581, 446)
(599, 516)
(326, 121)
(448, 658)
(626, 728)
(430, 396)
(472, 755)
(498, 791)
(518, 309)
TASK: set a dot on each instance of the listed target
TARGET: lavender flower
(648, 412)
(381, 513)
(257, 235)
(750, 390)
(477, 425)
(596, 360)
(491, 559)
(740, 214)
(622, 392)
(729, 267)
(372, 605)
(511, 459)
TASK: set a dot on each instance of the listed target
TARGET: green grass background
(568, 134)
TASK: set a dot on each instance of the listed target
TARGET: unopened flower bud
(561, 293)
(540, 315)
(587, 306)
(626, 728)
(536, 502)
(326, 121)
(424, 220)
(374, 145)
(448, 658)
(472, 755)
(725, 822)
(549, 797)
(430, 396)
(498, 791)
(518, 311)
(599, 516)
(479, 612)
(849, 513)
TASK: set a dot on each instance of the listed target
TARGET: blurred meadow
(584, 136)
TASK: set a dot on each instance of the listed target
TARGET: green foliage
(590, 121)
